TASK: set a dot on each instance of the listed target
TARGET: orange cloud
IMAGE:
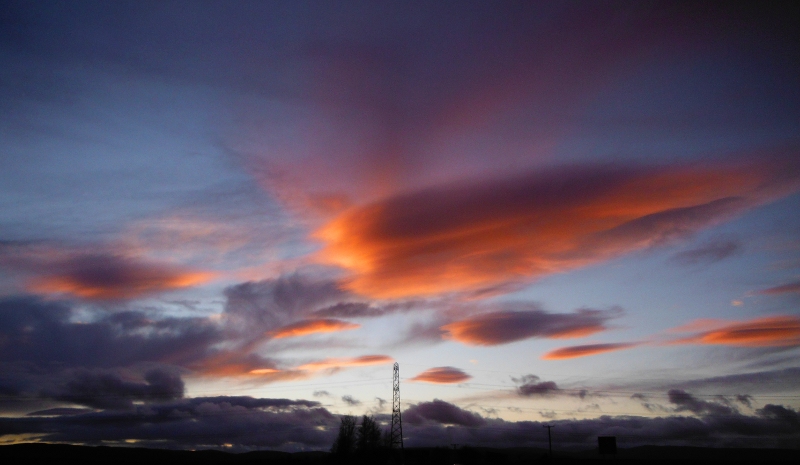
(337, 363)
(486, 233)
(774, 331)
(303, 328)
(504, 327)
(586, 350)
(110, 277)
(442, 375)
(239, 364)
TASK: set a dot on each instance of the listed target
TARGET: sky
(221, 224)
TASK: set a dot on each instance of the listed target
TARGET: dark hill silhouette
(60, 453)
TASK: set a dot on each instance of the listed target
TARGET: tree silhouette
(346, 439)
(369, 434)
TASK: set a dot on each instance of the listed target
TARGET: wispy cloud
(793, 287)
(586, 350)
(339, 363)
(775, 331)
(442, 375)
(710, 252)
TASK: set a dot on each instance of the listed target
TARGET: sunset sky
(221, 223)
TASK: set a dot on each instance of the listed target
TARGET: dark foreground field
(58, 453)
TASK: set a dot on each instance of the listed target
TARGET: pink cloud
(442, 375)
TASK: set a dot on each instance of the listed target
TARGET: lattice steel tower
(397, 424)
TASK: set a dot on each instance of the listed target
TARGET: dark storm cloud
(441, 412)
(772, 426)
(503, 327)
(189, 423)
(685, 401)
(532, 386)
(41, 332)
(109, 390)
(280, 423)
(710, 252)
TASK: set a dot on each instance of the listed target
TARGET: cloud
(757, 382)
(365, 310)
(586, 350)
(745, 399)
(349, 310)
(780, 413)
(306, 327)
(441, 412)
(503, 327)
(299, 424)
(776, 331)
(349, 400)
(475, 235)
(783, 289)
(340, 363)
(685, 401)
(43, 333)
(98, 275)
(262, 306)
(192, 423)
(241, 363)
(531, 385)
(442, 375)
(321, 394)
(59, 411)
(711, 252)
(109, 390)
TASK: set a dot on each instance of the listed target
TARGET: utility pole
(549, 438)
(396, 433)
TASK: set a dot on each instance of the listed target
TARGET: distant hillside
(59, 453)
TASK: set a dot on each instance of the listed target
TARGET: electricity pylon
(396, 434)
